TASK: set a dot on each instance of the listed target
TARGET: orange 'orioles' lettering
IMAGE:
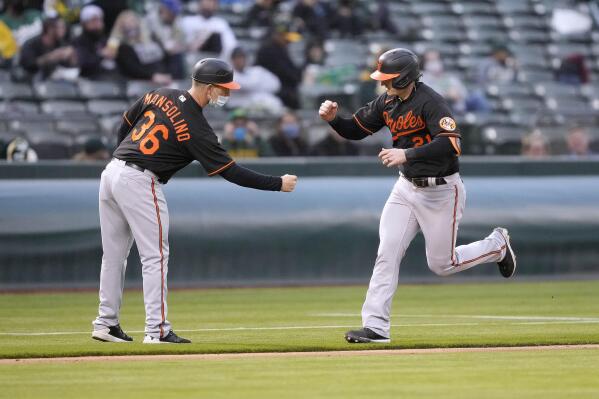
(404, 124)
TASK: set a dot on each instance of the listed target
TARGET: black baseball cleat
(365, 336)
(111, 334)
(507, 265)
(170, 338)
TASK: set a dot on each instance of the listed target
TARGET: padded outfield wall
(325, 232)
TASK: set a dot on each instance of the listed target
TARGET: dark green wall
(324, 232)
(330, 166)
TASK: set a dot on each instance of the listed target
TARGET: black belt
(425, 182)
(137, 167)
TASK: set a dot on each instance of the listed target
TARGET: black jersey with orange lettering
(165, 130)
(414, 122)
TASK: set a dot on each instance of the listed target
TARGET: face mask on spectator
(291, 130)
(434, 66)
(95, 33)
(239, 133)
(131, 33)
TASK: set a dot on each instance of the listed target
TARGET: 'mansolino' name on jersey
(172, 112)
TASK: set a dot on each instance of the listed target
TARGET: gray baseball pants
(133, 208)
(437, 212)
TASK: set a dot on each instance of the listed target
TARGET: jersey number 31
(150, 143)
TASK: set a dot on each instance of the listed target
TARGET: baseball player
(161, 133)
(429, 194)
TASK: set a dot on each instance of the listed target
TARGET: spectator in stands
(46, 53)
(68, 10)
(93, 57)
(334, 145)
(312, 17)
(314, 53)
(93, 150)
(382, 19)
(535, 145)
(112, 9)
(25, 23)
(137, 55)
(315, 56)
(262, 13)
(241, 138)
(207, 32)
(273, 55)
(449, 85)
(287, 140)
(499, 67)
(19, 150)
(348, 19)
(258, 86)
(573, 70)
(446, 84)
(578, 142)
(8, 46)
(165, 26)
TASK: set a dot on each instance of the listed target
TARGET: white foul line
(460, 316)
(518, 320)
(33, 334)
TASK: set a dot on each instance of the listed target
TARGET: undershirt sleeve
(348, 128)
(248, 178)
(440, 147)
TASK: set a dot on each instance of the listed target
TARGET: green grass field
(522, 375)
(314, 319)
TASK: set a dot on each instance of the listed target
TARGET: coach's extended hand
(289, 182)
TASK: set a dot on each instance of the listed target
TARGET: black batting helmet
(216, 72)
(399, 64)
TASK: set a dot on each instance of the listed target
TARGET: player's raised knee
(441, 267)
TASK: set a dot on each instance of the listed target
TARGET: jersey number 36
(150, 143)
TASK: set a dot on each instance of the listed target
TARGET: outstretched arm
(248, 178)
(206, 148)
(366, 121)
(348, 128)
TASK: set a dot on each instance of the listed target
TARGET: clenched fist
(289, 182)
(328, 110)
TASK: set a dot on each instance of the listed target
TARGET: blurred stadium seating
(55, 116)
